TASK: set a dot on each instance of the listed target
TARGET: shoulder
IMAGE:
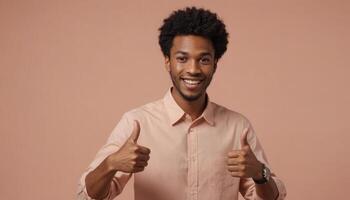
(152, 109)
(142, 114)
(223, 113)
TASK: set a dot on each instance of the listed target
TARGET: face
(191, 66)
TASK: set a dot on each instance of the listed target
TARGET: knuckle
(232, 169)
(139, 169)
(134, 156)
(233, 161)
(134, 148)
(241, 160)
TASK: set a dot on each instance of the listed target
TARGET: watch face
(266, 173)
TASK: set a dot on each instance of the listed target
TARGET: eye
(181, 59)
(205, 60)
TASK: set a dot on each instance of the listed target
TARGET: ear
(167, 63)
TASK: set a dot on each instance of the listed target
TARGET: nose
(193, 67)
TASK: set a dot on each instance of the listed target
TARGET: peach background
(69, 69)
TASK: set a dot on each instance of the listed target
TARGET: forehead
(192, 44)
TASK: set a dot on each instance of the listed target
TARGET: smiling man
(183, 146)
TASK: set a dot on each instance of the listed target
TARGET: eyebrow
(201, 54)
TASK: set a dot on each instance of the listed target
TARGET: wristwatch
(266, 174)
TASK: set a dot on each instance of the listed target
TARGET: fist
(243, 163)
(131, 157)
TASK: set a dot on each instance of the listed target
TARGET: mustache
(193, 75)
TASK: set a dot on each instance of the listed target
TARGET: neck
(193, 108)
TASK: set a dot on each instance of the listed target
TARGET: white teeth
(192, 82)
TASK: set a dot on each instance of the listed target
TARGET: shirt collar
(176, 113)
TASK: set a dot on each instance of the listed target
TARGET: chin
(192, 97)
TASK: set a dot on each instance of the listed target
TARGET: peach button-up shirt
(188, 158)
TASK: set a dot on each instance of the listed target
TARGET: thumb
(135, 132)
(244, 138)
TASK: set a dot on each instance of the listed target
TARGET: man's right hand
(131, 157)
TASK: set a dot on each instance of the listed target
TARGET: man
(184, 146)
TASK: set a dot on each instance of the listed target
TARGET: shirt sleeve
(117, 138)
(247, 185)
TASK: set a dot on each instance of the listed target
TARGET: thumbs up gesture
(243, 163)
(131, 157)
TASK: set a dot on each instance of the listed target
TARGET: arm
(98, 182)
(102, 182)
(268, 190)
(251, 191)
(244, 163)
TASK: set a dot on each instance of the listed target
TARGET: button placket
(193, 164)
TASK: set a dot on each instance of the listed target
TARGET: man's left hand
(243, 163)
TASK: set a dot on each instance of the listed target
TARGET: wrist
(109, 164)
(264, 175)
(259, 173)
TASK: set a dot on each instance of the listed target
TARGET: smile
(192, 82)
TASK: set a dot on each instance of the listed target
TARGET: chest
(177, 147)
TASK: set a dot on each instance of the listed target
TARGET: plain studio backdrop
(70, 69)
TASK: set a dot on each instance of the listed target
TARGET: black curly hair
(193, 21)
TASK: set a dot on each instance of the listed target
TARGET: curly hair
(193, 21)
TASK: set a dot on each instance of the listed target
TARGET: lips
(191, 83)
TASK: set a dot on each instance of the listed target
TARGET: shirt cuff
(280, 187)
(82, 193)
(282, 193)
